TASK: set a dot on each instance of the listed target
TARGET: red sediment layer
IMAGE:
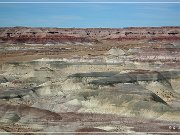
(43, 40)
(60, 35)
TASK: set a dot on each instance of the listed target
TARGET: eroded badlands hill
(90, 80)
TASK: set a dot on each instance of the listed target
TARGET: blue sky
(90, 15)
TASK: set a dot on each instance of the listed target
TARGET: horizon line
(98, 2)
(174, 26)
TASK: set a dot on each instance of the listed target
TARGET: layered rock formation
(90, 80)
(59, 35)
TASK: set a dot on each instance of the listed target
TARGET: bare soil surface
(87, 81)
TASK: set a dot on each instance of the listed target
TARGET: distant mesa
(30, 35)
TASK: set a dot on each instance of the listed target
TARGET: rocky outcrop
(133, 77)
(15, 93)
(3, 79)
